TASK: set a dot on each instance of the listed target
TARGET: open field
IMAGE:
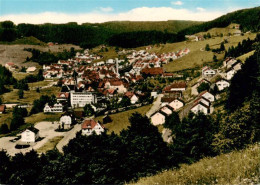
(16, 54)
(217, 31)
(245, 56)
(29, 96)
(238, 167)
(197, 56)
(120, 120)
(50, 145)
(35, 118)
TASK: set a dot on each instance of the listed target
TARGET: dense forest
(139, 150)
(136, 33)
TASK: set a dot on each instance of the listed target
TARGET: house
(57, 107)
(66, 121)
(158, 118)
(10, 66)
(222, 84)
(152, 71)
(2, 109)
(167, 110)
(208, 72)
(133, 98)
(154, 94)
(229, 62)
(89, 126)
(230, 73)
(63, 97)
(207, 95)
(176, 104)
(203, 100)
(194, 88)
(175, 89)
(200, 107)
(237, 33)
(80, 99)
(30, 135)
(30, 69)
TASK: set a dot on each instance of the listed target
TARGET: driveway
(155, 107)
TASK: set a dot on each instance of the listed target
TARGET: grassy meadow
(238, 167)
(50, 145)
(120, 120)
(197, 56)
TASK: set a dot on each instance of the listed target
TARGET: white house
(80, 99)
(208, 72)
(229, 62)
(207, 95)
(89, 126)
(133, 98)
(167, 110)
(57, 107)
(176, 104)
(66, 121)
(200, 107)
(30, 135)
(203, 100)
(158, 118)
(222, 84)
(154, 94)
(230, 73)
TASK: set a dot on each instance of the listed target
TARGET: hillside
(247, 18)
(171, 26)
(15, 52)
(239, 167)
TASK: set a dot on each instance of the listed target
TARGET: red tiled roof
(2, 108)
(175, 85)
(89, 123)
(153, 71)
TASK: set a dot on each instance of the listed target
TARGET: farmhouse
(56, 108)
(89, 126)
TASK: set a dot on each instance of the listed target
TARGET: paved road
(155, 107)
(70, 135)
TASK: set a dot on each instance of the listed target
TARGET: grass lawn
(110, 54)
(245, 56)
(238, 167)
(50, 145)
(35, 118)
(39, 84)
(29, 96)
(196, 57)
(120, 120)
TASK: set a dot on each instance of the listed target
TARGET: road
(69, 135)
(155, 107)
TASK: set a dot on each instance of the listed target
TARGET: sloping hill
(240, 167)
(171, 26)
(249, 20)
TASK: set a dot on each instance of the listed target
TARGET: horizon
(100, 11)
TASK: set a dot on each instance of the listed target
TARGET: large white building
(80, 99)
(30, 135)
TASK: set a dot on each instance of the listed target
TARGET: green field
(50, 145)
(238, 167)
(196, 57)
(121, 120)
(245, 56)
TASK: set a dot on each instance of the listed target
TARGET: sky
(97, 11)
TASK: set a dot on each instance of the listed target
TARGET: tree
(203, 86)
(125, 102)
(222, 46)
(20, 93)
(146, 152)
(172, 121)
(215, 58)
(193, 138)
(4, 129)
(5, 164)
(1, 101)
(88, 110)
(207, 48)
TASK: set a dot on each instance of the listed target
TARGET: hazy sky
(62, 11)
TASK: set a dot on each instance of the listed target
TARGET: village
(111, 86)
